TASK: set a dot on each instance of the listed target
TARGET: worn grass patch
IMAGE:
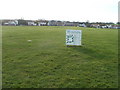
(46, 62)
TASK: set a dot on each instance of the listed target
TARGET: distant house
(60, 23)
(104, 26)
(115, 26)
(31, 23)
(67, 23)
(76, 24)
(52, 23)
(95, 25)
(118, 26)
(109, 26)
(82, 25)
(10, 22)
(42, 22)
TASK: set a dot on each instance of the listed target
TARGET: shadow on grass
(90, 52)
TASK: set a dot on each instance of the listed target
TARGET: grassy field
(46, 62)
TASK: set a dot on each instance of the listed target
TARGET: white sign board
(73, 37)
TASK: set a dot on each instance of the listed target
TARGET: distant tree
(36, 22)
(109, 23)
(87, 21)
(118, 22)
(22, 22)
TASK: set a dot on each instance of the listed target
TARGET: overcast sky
(67, 10)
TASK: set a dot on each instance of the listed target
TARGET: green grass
(46, 62)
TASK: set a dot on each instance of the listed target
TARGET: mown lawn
(46, 62)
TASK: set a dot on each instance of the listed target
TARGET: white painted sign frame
(74, 37)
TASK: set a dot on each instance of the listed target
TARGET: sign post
(73, 37)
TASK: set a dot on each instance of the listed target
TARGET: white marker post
(73, 37)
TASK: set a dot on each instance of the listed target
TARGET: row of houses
(9, 22)
(112, 26)
(52, 23)
(21, 22)
(39, 23)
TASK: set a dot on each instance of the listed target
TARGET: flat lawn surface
(46, 62)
